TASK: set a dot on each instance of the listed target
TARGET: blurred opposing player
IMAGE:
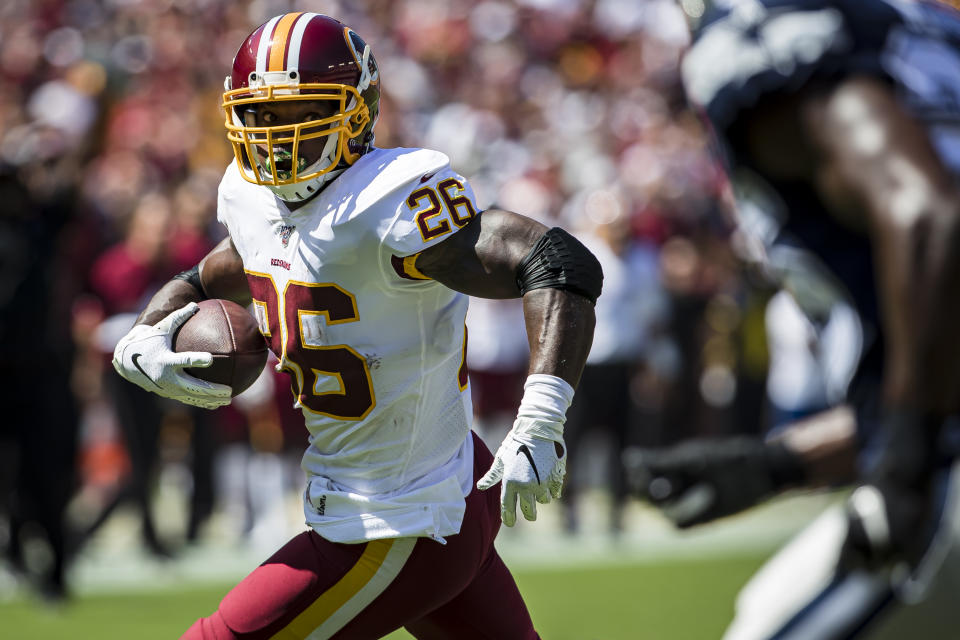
(357, 261)
(840, 122)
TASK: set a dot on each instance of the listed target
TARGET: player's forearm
(222, 275)
(878, 166)
(172, 296)
(560, 331)
(920, 279)
(917, 260)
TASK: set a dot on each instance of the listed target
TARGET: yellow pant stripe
(339, 594)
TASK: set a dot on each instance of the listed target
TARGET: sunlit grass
(677, 600)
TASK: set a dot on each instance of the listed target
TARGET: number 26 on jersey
(307, 363)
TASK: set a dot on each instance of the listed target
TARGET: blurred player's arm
(505, 255)
(874, 168)
(145, 355)
(879, 159)
(702, 480)
(877, 168)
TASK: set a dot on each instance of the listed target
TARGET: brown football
(230, 333)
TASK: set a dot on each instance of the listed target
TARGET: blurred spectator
(123, 277)
(497, 356)
(45, 134)
(257, 464)
(38, 433)
(628, 312)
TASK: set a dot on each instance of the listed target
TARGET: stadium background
(111, 148)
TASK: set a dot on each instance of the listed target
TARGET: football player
(840, 124)
(358, 262)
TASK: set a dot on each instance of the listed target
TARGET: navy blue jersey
(747, 50)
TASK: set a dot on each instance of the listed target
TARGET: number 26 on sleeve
(436, 208)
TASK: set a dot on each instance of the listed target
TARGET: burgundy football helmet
(301, 57)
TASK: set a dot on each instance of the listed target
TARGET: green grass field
(683, 599)
(651, 583)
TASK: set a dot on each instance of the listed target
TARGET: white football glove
(145, 357)
(531, 463)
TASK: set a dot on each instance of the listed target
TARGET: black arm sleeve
(192, 276)
(560, 261)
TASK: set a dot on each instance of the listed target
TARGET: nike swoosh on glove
(530, 469)
(145, 357)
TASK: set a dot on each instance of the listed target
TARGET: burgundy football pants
(314, 588)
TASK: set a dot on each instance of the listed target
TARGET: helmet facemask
(281, 154)
(294, 160)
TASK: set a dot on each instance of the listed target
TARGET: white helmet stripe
(296, 37)
(263, 52)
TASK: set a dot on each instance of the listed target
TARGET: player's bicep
(883, 158)
(481, 259)
(877, 161)
(222, 275)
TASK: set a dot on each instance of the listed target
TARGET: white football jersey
(374, 349)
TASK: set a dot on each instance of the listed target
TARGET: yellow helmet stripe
(278, 44)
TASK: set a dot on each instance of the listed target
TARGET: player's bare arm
(504, 255)
(482, 260)
(876, 155)
(875, 169)
(872, 165)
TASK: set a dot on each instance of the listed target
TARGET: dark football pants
(314, 588)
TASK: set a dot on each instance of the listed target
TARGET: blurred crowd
(111, 149)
